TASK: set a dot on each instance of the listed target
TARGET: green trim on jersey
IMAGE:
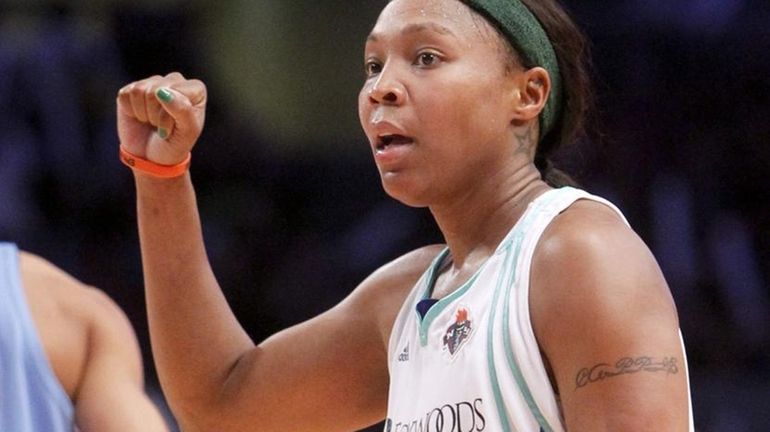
(442, 304)
(514, 243)
(499, 403)
(510, 356)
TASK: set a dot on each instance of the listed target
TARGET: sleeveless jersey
(472, 363)
(31, 397)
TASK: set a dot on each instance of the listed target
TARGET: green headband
(528, 37)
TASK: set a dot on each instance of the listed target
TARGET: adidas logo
(404, 356)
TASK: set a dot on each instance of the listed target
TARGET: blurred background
(293, 212)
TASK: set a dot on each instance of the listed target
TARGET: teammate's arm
(111, 397)
(91, 348)
(604, 318)
(328, 374)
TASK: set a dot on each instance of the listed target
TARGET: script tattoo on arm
(626, 365)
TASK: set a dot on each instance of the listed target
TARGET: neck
(474, 225)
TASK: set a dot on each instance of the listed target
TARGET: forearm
(195, 336)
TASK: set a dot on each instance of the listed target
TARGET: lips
(386, 141)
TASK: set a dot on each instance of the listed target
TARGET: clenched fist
(160, 118)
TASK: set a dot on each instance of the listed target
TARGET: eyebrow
(418, 28)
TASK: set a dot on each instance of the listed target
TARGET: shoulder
(406, 268)
(595, 270)
(585, 223)
(385, 290)
(601, 312)
(75, 321)
(45, 280)
(589, 240)
(39, 273)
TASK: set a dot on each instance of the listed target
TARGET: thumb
(182, 99)
(185, 104)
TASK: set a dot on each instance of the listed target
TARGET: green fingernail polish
(163, 133)
(164, 95)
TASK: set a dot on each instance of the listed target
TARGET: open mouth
(385, 141)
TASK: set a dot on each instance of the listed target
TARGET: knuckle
(137, 89)
(201, 85)
(149, 93)
(149, 82)
(126, 89)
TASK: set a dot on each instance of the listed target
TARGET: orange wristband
(156, 170)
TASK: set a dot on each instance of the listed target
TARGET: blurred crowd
(679, 142)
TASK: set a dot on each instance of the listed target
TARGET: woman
(69, 359)
(543, 311)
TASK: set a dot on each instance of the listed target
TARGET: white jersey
(472, 363)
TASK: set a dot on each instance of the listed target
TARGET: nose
(387, 90)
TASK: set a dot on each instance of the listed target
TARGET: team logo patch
(459, 332)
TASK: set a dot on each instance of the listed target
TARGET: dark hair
(572, 52)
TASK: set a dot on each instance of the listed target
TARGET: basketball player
(69, 359)
(543, 311)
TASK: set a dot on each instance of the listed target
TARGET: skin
(596, 293)
(92, 350)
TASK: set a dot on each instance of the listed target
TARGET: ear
(532, 89)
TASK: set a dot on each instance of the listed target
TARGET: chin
(406, 192)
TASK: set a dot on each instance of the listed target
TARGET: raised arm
(605, 319)
(328, 374)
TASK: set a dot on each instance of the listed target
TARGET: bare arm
(111, 395)
(604, 317)
(328, 374)
(92, 349)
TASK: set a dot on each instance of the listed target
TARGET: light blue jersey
(31, 397)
